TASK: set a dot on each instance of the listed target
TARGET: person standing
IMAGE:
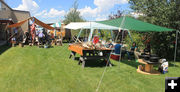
(40, 36)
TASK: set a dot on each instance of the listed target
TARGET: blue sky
(54, 10)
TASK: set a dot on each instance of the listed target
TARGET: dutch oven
(141, 56)
(146, 57)
(154, 59)
(153, 55)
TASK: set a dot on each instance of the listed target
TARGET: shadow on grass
(171, 64)
(94, 63)
(132, 63)
(42, 46)
(135, 64)
(4, 48)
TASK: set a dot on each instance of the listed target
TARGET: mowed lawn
(33, 69)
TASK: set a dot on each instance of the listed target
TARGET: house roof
(6, 4)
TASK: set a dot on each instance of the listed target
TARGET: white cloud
(102, 6)
(51, 14)
(98, 13)
(28, 5)
(101, 17)
(136, 15)
(88, 12)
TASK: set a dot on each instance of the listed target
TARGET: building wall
(8, 13)
(5, 11)
(20, 16)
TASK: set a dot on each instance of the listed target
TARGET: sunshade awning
(134, 24)
(38, 22)
(18, 24)
(89, 25)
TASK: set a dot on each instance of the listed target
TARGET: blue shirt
(133, 48)
(117, 48)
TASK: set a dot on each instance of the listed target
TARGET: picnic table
(89, 54)
(148, 68)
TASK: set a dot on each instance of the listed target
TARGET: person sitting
(109, 44)
(13, 41)
(163, 68)
(147, 50)
(133, 51)
(117, 48)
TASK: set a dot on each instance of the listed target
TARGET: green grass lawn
(33, 69)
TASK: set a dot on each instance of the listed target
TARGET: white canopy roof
(89, 25)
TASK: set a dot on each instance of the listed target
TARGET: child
(164, 66)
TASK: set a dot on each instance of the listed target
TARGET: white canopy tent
(89, 25)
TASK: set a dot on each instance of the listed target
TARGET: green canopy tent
(135, 25)
(128, 23)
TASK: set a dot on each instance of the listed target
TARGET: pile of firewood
(90, 45)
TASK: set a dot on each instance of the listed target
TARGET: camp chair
(116, 57)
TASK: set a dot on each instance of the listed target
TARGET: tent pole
(175, 52)
(122, 23)
(121, 26)
(130, 36)
(112, 36)
(78, 35)
(90, 35)
(99, 31)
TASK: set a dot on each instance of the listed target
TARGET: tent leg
(78, 35)
(90, 35)
(112, 36)
(130, 36)
(175, 52)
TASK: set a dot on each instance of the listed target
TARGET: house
(10, 16)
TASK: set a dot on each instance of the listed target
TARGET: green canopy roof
(134, 24)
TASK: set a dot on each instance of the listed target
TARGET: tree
(73, 15)
(116, 15)
(163, 13)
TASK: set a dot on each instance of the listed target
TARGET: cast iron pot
(141, 56)
(146, 57)
(154, 59)
(153, 55)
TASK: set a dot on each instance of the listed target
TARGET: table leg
(83, 63)
(72, 55)
(81, 59)
(108, 62)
